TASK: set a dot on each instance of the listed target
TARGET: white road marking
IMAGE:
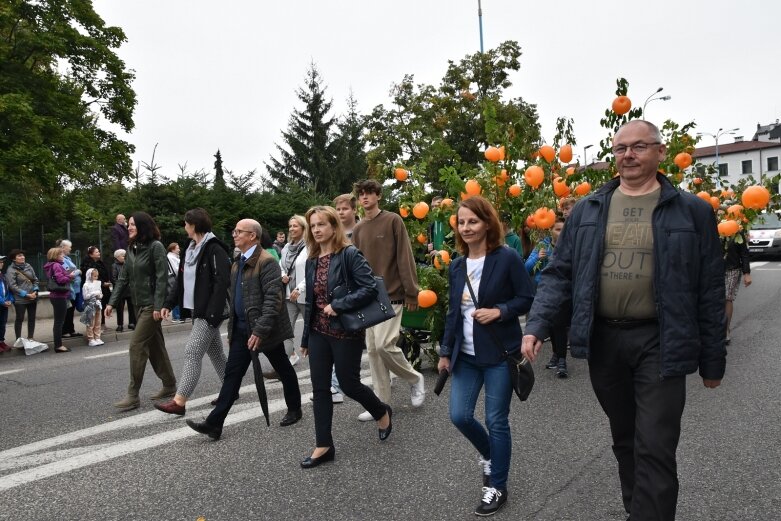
(77, 458)
(104, 355)
(768, 269)
(758, 264)
(11, 371)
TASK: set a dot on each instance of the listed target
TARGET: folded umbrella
(260, 385)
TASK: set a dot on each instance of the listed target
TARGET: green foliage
(51, 139)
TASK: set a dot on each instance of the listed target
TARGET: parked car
(764, 238)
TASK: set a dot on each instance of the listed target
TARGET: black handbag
(521, 371)
(377, 311)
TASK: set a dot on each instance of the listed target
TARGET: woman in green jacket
(146, 276)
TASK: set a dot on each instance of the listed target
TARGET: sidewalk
(43, 333)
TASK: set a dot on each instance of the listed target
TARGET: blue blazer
(505, 284)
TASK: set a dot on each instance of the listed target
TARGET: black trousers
(59, 310)
(344, 354)
(131, 312)
(559, 337)
(67, 324)
(645, 412)
(239, 359)
(30, 309)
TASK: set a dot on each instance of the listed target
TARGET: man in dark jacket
(639, 264)
(258, 321)
(119, 234)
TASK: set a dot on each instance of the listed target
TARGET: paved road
(66, 454)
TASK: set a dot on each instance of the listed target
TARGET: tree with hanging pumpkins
(426, 147)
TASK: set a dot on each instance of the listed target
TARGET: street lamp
(480, 20)
(716, 136)
(651, 98)
(585, 160)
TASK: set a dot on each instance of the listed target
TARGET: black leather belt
(627, 323)
(397, 302)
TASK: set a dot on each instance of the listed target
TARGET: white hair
(119, 253)
(66, 242)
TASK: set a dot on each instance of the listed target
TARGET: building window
(723, 170)
(772, 164)
(747, 168)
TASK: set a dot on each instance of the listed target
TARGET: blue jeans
(495, 444)
(175, 313)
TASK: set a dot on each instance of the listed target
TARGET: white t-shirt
(474, 270)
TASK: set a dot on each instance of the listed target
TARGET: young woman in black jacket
(323, 340)
(203, 277)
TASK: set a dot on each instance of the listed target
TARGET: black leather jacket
(688, 280)
(362, 284)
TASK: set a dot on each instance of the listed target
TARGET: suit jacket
(119, 237)
(504, 285)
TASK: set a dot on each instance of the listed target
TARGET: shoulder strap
(489, 327)
(344, 269)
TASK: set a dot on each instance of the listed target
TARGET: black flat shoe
(290, 418)
(204, 428)
(384, 433)
(311, 462)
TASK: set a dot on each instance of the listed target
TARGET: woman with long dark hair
(495, 275)
(324, 340)
(146, 276)
(203, 277)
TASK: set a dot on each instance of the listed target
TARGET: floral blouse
(322, 322)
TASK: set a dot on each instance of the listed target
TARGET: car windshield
(771, 222)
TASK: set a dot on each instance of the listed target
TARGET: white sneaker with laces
(99, 342)
(93, 343)
(418, 392)
(365, 416)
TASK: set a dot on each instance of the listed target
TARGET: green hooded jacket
(145, 278)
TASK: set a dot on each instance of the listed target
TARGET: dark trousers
(59, 308)
(3, 321)
(344, 354)
(239, 359)
(30, 309)
(645, 416)
(131, 312)
(559, 336)
(103, 303)
(67, 323)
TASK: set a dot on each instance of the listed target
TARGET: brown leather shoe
(165, 392)
(171, 407)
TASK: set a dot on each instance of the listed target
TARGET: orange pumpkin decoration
(420, 210)
(621, 105)
(544, 218)
(426, 298)
(683, 160)
(499, 181)
(714, 202)
(755, 197)
(565, 154)
(534, 176)
(530, 222)
(453, 221)
(697, 181)
(705, 196)
(728, 228)
(570, 170)
(514, 190)
(401, 174)
(583, 188)
(501, 153)
(421, 238)
(472, 187)
(735, 212)
(447, 202)
(492, 154)
(548, 153)
(560, 188)
(442, 256)
(404, 211)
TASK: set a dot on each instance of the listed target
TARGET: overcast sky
(223, 74)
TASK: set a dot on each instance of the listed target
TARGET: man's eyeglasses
(637, 148)
(239, 232)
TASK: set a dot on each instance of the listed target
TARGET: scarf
(291, 256)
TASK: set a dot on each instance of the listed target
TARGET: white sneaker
(418, 392)
(93, 343)
(99, 342)
(336, 396)
(365, 416)
(294, 359)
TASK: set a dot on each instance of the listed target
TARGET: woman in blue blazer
(469, 351)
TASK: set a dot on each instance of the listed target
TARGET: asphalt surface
(65, 453)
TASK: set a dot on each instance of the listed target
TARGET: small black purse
(521, 371)
(377, 311)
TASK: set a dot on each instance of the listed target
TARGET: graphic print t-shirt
(626, 282)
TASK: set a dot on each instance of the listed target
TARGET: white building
(743, 159)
